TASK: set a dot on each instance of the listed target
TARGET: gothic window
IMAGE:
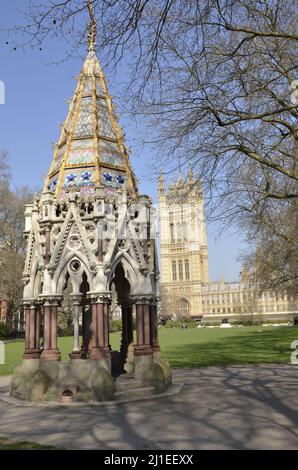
(180, 269)
(174, 272)
(185, 232)
(183, 308)
(187, 276)
(178, 232)
(172, 232)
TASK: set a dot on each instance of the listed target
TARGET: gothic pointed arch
(75, 264)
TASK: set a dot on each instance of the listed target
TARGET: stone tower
(93, 231)
(183, 246)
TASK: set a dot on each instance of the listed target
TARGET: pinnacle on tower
(180, 181)
(171, 184)
(190, 177)
(161, 183)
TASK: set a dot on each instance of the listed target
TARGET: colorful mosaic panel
(111, 158)
(59, 157)
(109, 153)
(99, 88)
(84, 125)
(106, 145)
(52, 184)
(104, 120)
(88, 87)
(70, 114)
(79, 178)
(97, 70)
(113, 179)
(81, 144)
(80, 156)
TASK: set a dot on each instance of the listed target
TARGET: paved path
(235, 407)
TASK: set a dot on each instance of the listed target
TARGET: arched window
(174, 272)
(187, 275)
(172, 232)
(180, 269)
(178, 232)
(185, 232)
(183, 308)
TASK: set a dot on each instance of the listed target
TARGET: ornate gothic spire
(91, 152)
(171, 184)
(190, 178)
(180, 181)
(161, 183)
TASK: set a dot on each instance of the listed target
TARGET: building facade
(239, 301)
(185, 288)
(183, 246)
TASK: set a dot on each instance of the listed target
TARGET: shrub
(7, 332)
(65, 331)
(115, 325)
(295, 320)
(173, 324)
(189, 322)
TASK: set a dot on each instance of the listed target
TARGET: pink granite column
(50, 351)
(153, 327)
(143, 347)
(32, 330)
(106, 335)
(100, 327)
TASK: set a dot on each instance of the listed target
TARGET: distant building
(183, 246)
(185, 287)
(236, 300)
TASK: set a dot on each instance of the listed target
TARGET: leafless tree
(12, 244)
(217, 81)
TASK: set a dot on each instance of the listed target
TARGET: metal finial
(92, 27)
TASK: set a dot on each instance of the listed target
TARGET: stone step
(131, 384)
(134, 393)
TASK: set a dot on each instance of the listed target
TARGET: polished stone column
(50, 309)
(76, 309)
(100, 304)
(143, 346)
(154, 326)
(32, 329)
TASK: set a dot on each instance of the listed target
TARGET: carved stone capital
(100, 297)
(31, 303)
(141, 299)
(76, 298)
(51, 300)
(154, 300)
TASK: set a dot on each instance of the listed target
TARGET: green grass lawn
(199, 346)
(8, 444)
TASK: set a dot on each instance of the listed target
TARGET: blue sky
(35, 94)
